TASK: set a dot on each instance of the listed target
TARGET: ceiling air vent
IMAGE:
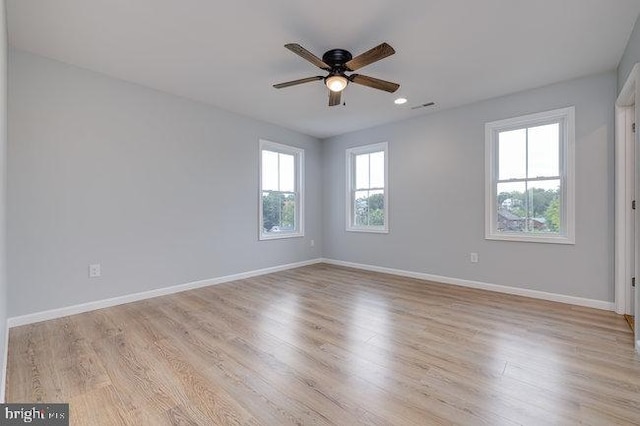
(428, 104)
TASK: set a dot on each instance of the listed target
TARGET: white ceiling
(228, 54)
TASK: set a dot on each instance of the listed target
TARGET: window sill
(369, 230)
(280, 236)
(523, 238)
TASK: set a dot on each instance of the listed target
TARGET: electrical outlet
(94, 270)
(312, 243)
(473, 257)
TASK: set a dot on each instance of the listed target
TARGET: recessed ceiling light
(400, 101)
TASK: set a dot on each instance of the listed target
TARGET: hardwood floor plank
(327, 345)
(79, 367)
(267, 403)
(99, 407)
(36, 375)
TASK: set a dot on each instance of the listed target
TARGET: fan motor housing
(336, 57)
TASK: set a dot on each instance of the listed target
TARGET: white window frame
(351, 154)
(298, 154)
(566, 118)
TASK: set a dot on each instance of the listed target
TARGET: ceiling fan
(339, 61)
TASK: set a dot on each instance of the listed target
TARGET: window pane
(361, 208)
(288, 217)
(544, 151)
(362, 171)
(544, 199)
(512, 154)
(512, 207)
(270, 210)
(269, 171)
(278, 212)
(287, 173)
(377, 170)
(376, 208)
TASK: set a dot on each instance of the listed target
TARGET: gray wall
(437, 201)
(630, 57)
(3, 185)
(161, 190)
(158, 189)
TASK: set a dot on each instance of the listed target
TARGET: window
(530, 178)
(367, 193)
(281, 198)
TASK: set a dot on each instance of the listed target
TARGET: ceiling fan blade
(304, 53)
(375, 83)
(295, 82)
(381, 51)
(334, 98)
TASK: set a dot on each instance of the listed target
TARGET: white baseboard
(536, 294)
(120, 300)
(5, 356)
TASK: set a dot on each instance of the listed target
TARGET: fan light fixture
(337, 62)
(336, 83)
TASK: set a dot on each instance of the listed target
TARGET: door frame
(624, 193)
(626, 190)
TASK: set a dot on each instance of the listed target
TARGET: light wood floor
(328, 345)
